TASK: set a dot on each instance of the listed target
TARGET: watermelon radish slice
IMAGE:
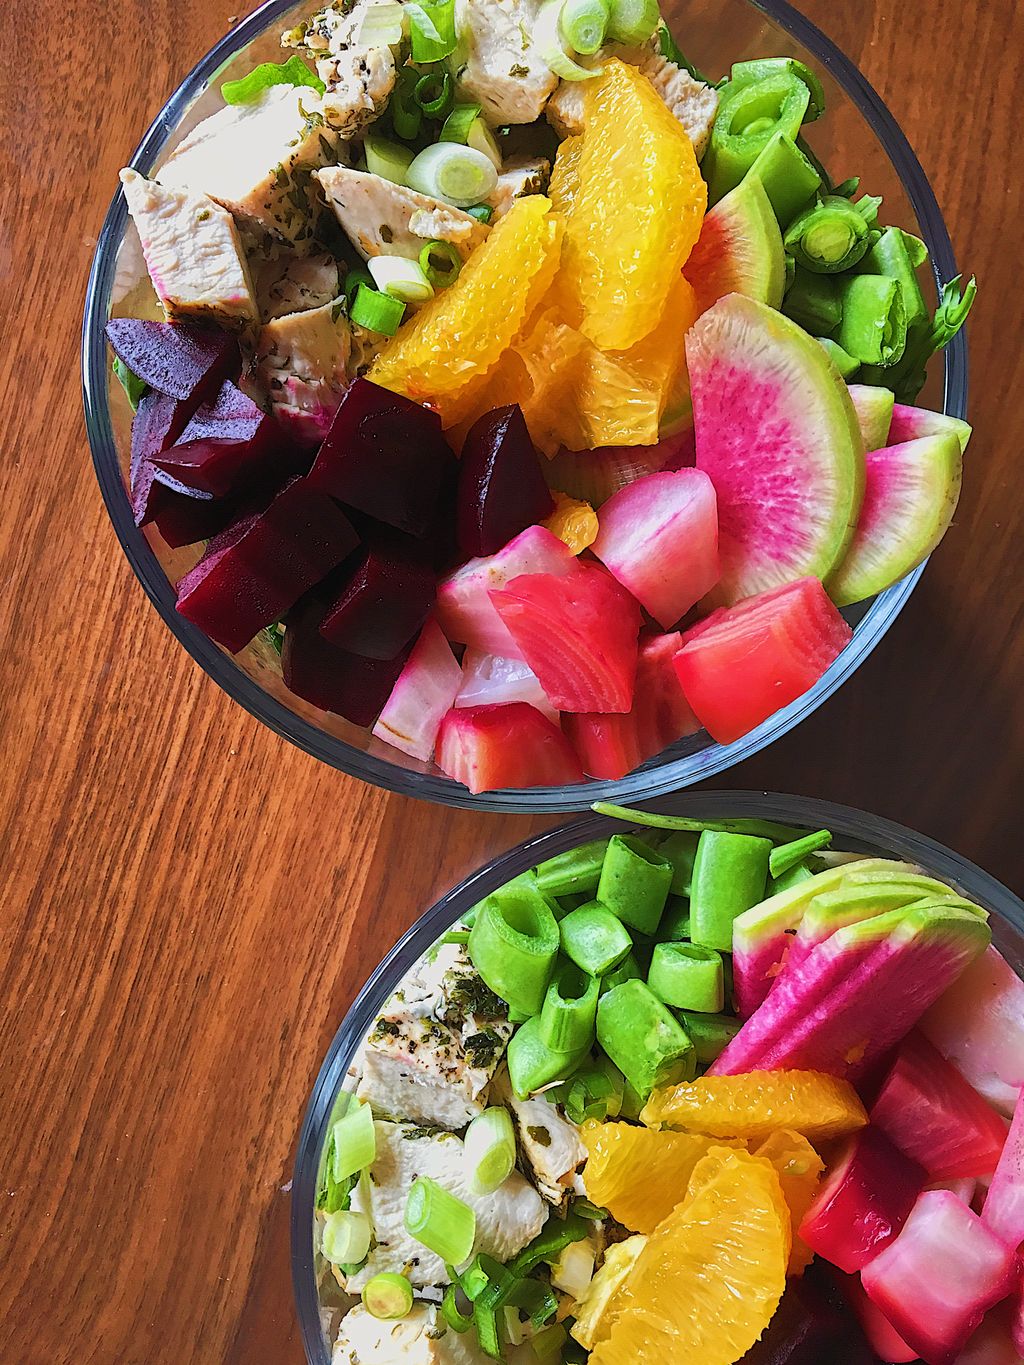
(930, 1112)
(492, 747)
(978, 1024)
(594, 475)
(857, 994)
(863, 1202)
(883, 1338)
(777, 433)
(763, 935)
(422, 696)
(612, 746)
(874, 407)
(940, 1276)
(848, 904)
(659, 538)
(909, 501)
(908, 424)
(464, 609)
(745, 662)
(578, 632)
(739, 250)
(489, 680)
(1004, 1204)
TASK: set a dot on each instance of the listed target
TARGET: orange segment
(639, 1175)
(565, 175)
(573, 521)
(710, 1278)
(799, 1168)
(637, 212)
(452, 343)
(757, 1104)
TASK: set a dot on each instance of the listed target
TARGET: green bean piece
(635, 881)
(729, 877)
(629, 969)
(916, 249)
(906, 378)
(652, 819)
(845, 364)
(532, 1064)
(790, 273)
(710, 1033)
(867, 206)
(889, 256)
(874, 324)
(514, 944)
(789, 179)
(567, 904)
(594, 939)
(575, 872)
(675, 922)
(569, 1011)
(829, 237)
(749, 115)
(813, 302)
(846, 189)
(802, 872)
(746, 73)
(688, 977)
(643, 1038)
(680, 848)
(786, 856)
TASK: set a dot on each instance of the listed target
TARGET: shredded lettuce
(292, 72)
(133, 386)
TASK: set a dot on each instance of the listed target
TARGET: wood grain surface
(188, 903)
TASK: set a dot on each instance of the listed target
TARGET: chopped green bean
(874, 324)
(746, 73)
(764, 829)
(643, 1038)
(635, 881)
(688, 976)
(813, 302)
(907, 376)
(595, 939)
(729, 877)
(789, 179)
(749, 115)
(829, 237)
(576, 871)
(709, 1033)
(675, 922)
(514, 943)
(889, 256)
(679, 847)
(786, 856)
(569, 1011)
(628, 970)
(802, 872)
(532, 1064)
(867, 206)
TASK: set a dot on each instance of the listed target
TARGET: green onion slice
(390, 160)
(375, 311)
(632, 21)
(406, 114)
(458, 175)
(583, 24)
(355, 1142)
(439, 1221)
(388, 1296)
(249, 88)
(381, 24)
(441, 263)
(451, 1312)
(458, 123)
(490, 1147)
(432, 29)
(401, 278)
(433, 93)
(548, 38)
(345, 1239)
(133, 386)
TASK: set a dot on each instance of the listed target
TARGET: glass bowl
(857, 134)
(854, 830)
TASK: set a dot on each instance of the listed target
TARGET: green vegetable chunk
(802, 872)
(729, 877)
(746, 73)
(569, 1011)
(907, 376)
(688, 976)
(635, 882)
(874, 324)
(812, 301)
(595, 939)
(829, 237)
(675, 922)
(679, 847)
(514, 944)
(292, 72)
(787, 856)
(788, 177)
(628, 970)
(709, 1033)
(749, 116)
(532, 1064)
(889, 256)
(643, 1038)
(440, 1221)
(133, 386)
(575, 872)
(375, 311)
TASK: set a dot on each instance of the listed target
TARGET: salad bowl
(858, 134)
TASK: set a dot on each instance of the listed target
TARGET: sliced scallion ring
(584, 24)
(388, 1296)
(381, 25)
(375, 311)
(548, 37)
(459, 175)
(390, 160)
(345, 1239)
(401, 278)
(440, 263)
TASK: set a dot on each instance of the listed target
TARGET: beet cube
(157, 424)
(261, 565)
(502, 488)
(227, 442)
(811, 1325)
(184, 520)
(385, 456)
(174, 358)
(333, 679)
(382, 604)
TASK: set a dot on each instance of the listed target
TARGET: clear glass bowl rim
(649, 782)
(852, 828)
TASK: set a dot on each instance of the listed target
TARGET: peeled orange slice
(573, 521)
(798, 1167)
(758, 1103)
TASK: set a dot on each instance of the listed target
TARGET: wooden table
(189, 903)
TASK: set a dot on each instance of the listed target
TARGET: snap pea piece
(532, 1064)
(575, 872)
(709, 1033)
(729, 876)
(786, 856)
(874, 324)
(802, 872)
(675, 922)
(812, 301)
(643, 1038)
(789, 179)
(514, 943)
(745, 73)
(688, 976)
(889, 256)
(679, 847)
(569, 1011)
(652, 819)
(594, 939)
(635, 881)
(749, 115)
(829, 237)
(629, 969)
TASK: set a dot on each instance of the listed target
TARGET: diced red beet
(332, 679)
(381, 605)
(502, 489)
(464, 609)
(158, 423)
(659, 537)
(937, 1280)
(488, 680)
(228, 442)
(930, 1112)
(863, 1202)
(384, 455)
(1004, 1204)
(422, 696)
(262, 564)
(809, 1327)
(185, 520)
(175, 358)
(610, 746)
(748, 661)
(489, 748)
(578, 632)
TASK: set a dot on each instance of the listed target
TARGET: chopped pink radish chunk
(611, 746)
(464, 609)
(940, 1276)
(1004, 1204)
(422, 696)
(863, 1203)
(979, 1025)
(882, 1336)
(930, 1112)
(489, 680)
(659, 537)
(578, 632)
(492, 747)
(965, 1189)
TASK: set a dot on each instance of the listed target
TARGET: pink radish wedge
(739, 250)
(1004, 1205)
(491, 747)
(489, 680)
(874, 408)
(422, 696)
(908, 424)
(659, 537)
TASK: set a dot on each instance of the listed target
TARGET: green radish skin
(777, 433)
(912, 493)
(910, 423)
(874, 408)
(740, 250)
